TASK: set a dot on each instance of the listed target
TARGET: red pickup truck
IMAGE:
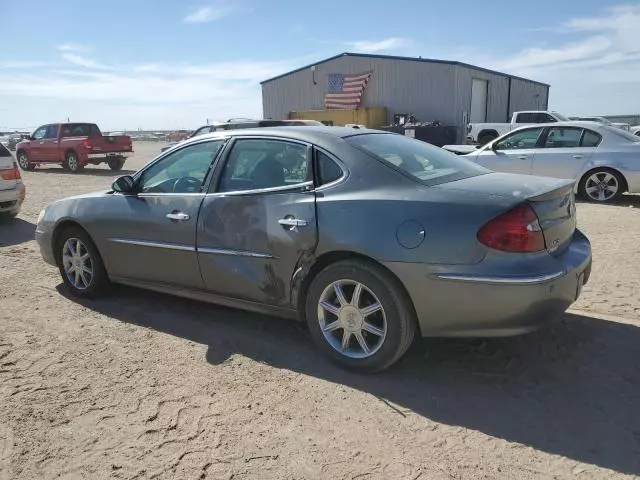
(73, 145)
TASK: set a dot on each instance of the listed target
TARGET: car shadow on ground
(14, 231)
(572, 389)
(629, 200)
(89, 170)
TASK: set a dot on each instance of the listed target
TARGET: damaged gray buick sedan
(369, 237)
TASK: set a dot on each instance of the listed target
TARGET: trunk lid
(552, 199)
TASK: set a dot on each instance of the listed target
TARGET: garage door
(479, 94)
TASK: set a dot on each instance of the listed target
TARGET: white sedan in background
(604, 160)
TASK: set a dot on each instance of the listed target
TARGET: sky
(166, 64)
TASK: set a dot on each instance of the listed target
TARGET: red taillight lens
(517, 231)
(10, 173)
(88, 145)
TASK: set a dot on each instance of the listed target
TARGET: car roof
(309, 133)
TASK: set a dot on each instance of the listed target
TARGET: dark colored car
(369, 237)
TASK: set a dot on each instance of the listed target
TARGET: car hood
(507, 185)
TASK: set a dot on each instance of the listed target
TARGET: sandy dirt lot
(143, 386)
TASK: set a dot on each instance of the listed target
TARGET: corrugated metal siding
(423, 89)
(527, 96)
(431, 91)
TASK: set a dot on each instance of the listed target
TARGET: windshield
(423, 162)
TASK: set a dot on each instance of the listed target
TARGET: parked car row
(603, 160)
(369, 237)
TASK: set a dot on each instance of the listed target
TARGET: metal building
(453, 93)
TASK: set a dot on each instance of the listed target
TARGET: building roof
(407, 59)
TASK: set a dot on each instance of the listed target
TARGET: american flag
(344, 92)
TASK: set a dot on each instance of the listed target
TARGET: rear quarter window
(418, 160)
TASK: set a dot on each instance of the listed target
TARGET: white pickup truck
(482, 133)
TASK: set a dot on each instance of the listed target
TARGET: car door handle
(292, 222)
(41, 143)
(178, 216)
(578, 157)
(523, 157)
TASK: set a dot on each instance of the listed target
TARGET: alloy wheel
(601, 186)
(356, 327)
(77, 263)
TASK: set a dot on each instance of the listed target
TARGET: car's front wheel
(80, 264)
(600, 186)
(359, 316)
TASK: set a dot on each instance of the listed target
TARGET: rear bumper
(477, 304)
(103, 157)
(11, 200)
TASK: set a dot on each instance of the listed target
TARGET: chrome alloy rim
(23, 161)
(357, 327)
(77, 263)
(601, 186)
(72, 161)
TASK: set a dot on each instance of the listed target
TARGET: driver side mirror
(495, 146)
(123, 184)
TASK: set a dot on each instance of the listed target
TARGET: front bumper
(45, 242)
(11, 200)
(473, 303)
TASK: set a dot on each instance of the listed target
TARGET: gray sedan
(369, 237)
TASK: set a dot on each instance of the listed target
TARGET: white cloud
(368, 46)
(151, 96)
(83, 61)
(74, 47)
(21, 64)
(212, 12)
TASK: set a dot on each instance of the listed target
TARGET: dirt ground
(142, 386)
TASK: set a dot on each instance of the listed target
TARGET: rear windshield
(623, 134)
(421, 161)
(4, 152)
(79, 130)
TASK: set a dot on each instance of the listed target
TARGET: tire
(89, 285)
(601, 186)
(72, 163)
(486, 138)
(394, 324)
(23, 162)
(115, 163)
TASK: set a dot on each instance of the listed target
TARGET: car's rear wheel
(601, 186)
(80, 264)
(23, 162)
(115, 163)
(359, 316)
(71, 162)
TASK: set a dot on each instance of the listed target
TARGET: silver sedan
(603, 160)
(369, 237)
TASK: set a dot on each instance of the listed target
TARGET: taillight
(517, 231)
(11, 173)
(87, 144)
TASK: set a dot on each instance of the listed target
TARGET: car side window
(182, 171)
(328, 170)
(590, 139)
(40, 132)
(518, 140)
(559, 137)
(52, 132)
(257, 163)
(525, 118)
